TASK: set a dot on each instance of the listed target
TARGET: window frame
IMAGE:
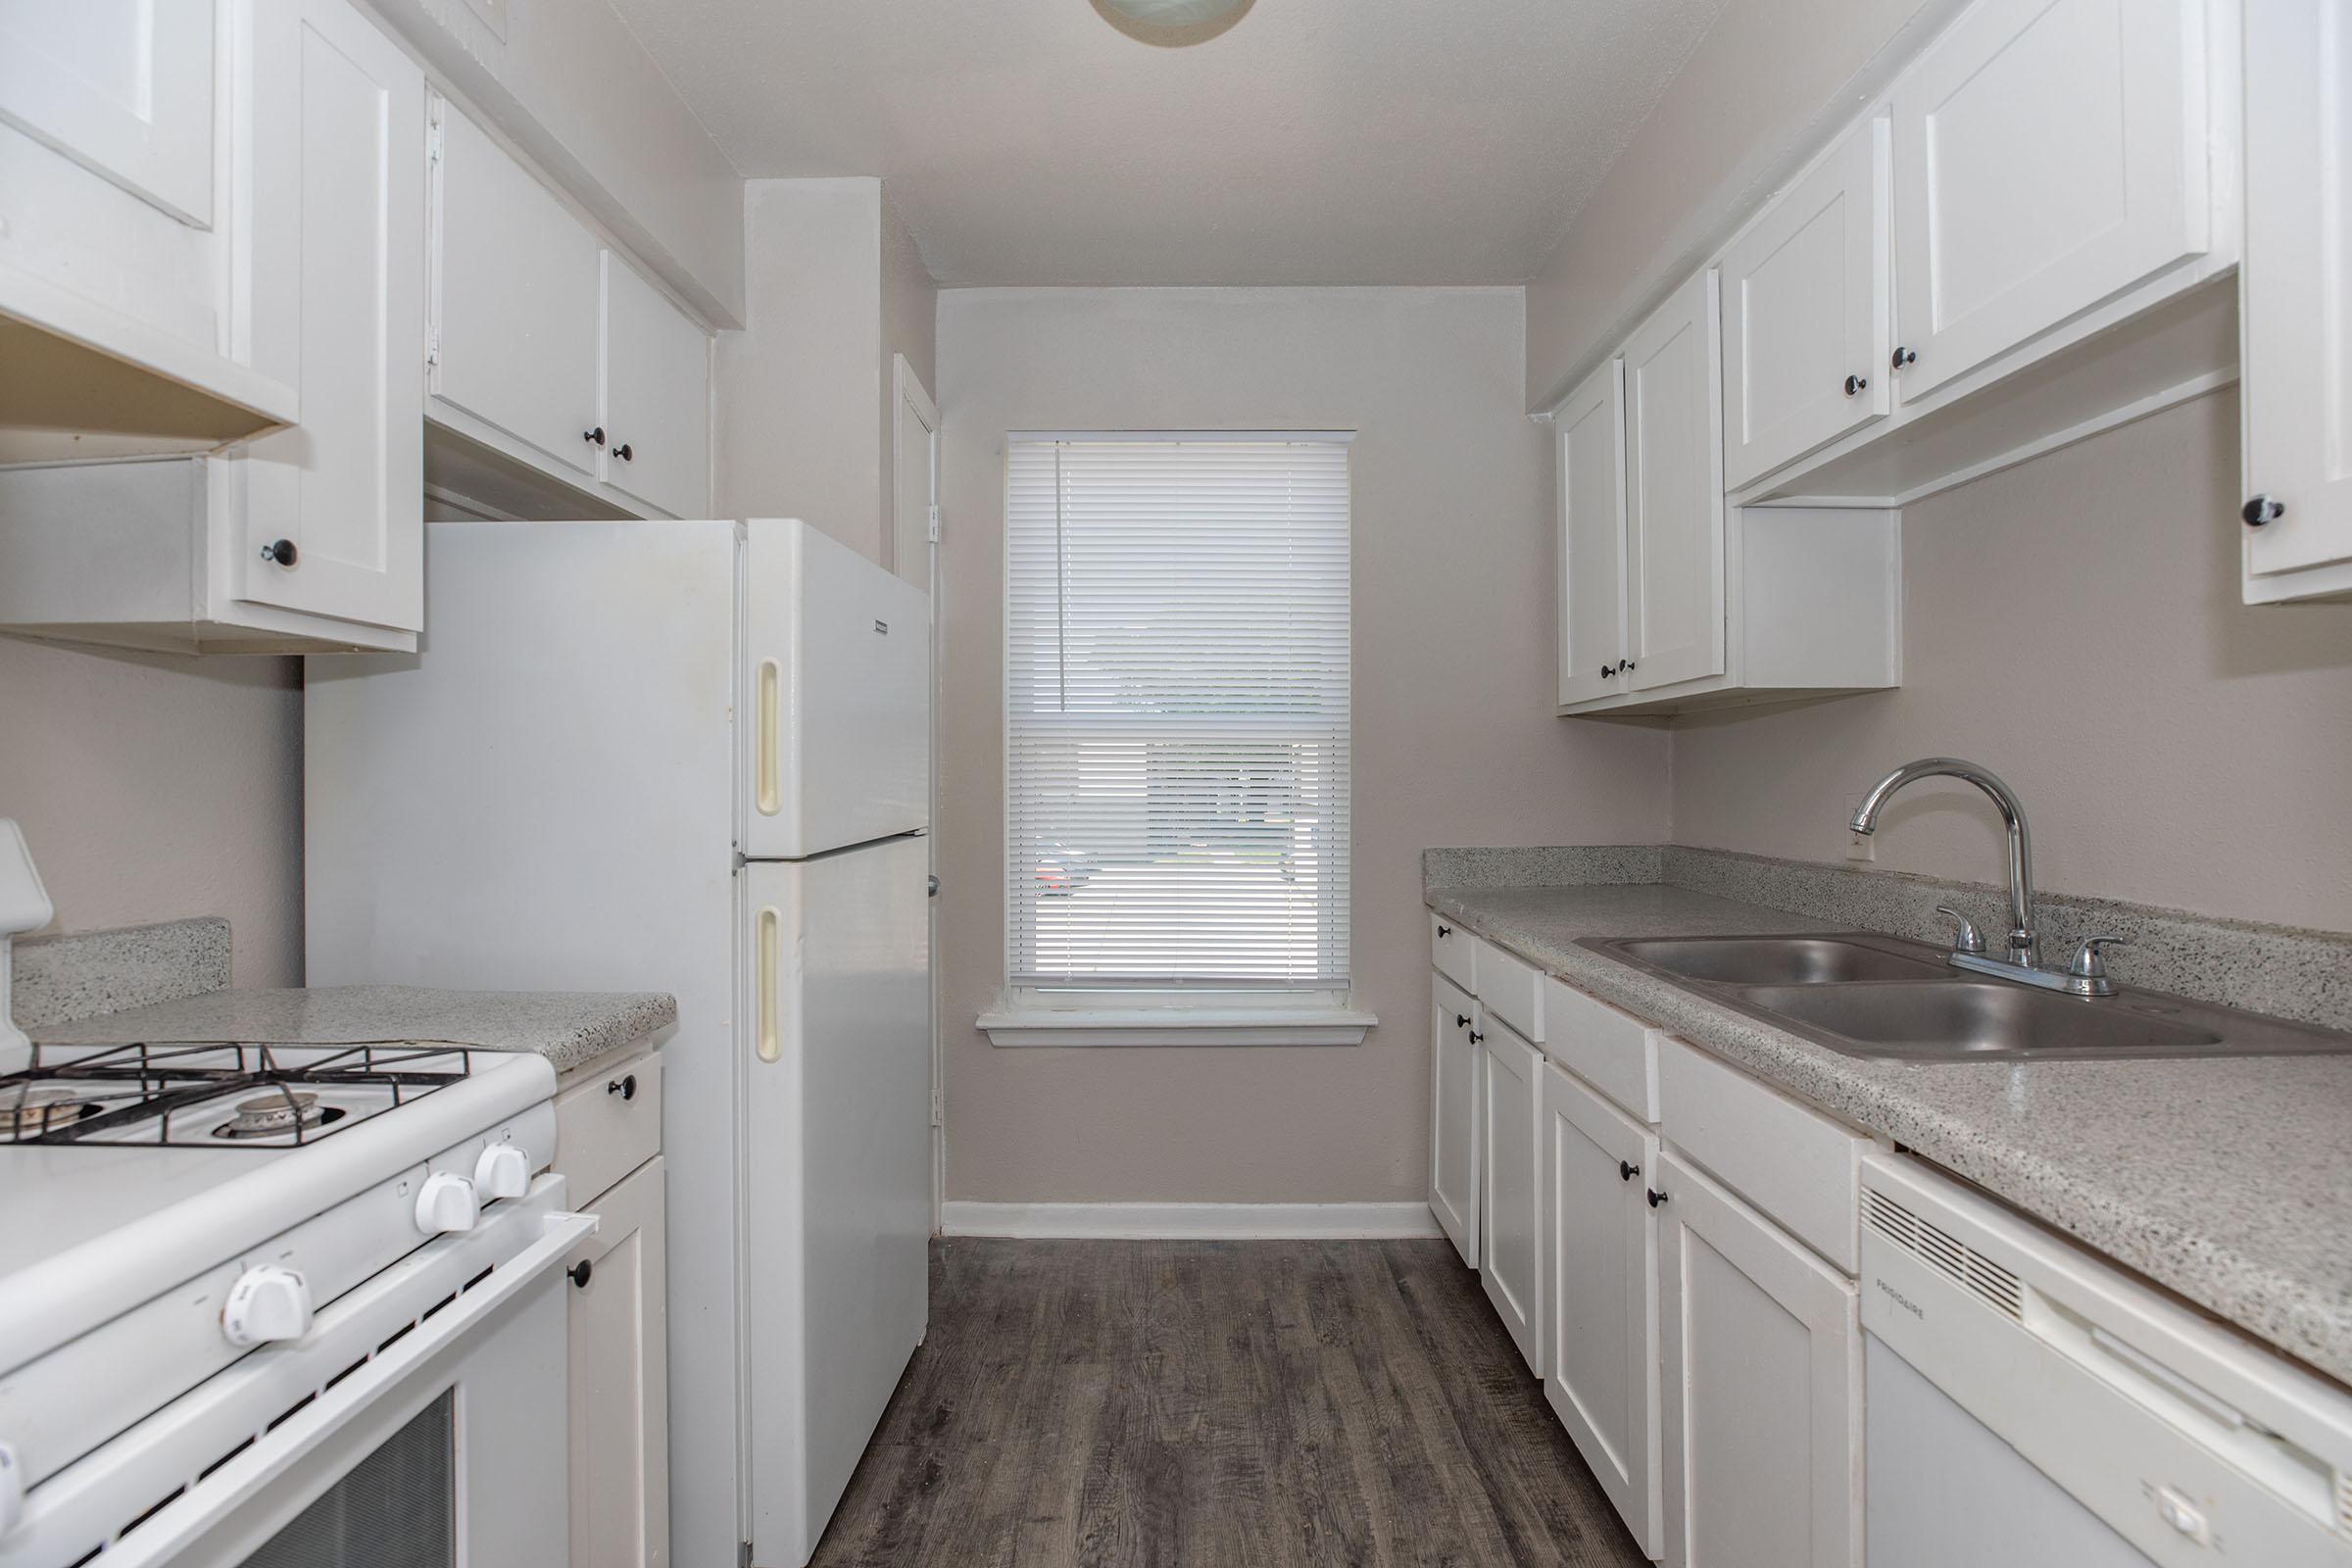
(1209, 1013)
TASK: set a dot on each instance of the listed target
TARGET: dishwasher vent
(1997, 1286)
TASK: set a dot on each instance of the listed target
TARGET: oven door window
(396, 1508)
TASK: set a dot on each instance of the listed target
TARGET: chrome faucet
(2084, 976)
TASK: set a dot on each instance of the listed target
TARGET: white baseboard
(1191, 1221)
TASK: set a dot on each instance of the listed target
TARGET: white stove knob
(447, 1204)
(502, 1171)
(267, 1303)
(12, 1490)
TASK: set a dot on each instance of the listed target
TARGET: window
(1176, 734)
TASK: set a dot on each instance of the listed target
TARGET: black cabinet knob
(281, 551)
(1655, 1196)
(581, 1272)
(1462, 1020)
(1627, 1172)
(625, 1088)
(1476, 1036)
(1624, 664)
(1444, 930)
(2261, 509)
(1900, 357)
(595, 437)
(1855, 383)
(1606, 671)
(623, 453)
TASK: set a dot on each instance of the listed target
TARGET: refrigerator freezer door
(836, 688)
(837, 1169)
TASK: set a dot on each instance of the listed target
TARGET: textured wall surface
(152, 788)
(1454, 738)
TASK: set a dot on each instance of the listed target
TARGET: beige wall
(152, 788)
(797, 387)
(2075, 626)
(1454, 742)
(1759, 94)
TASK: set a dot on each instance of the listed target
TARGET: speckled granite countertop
(567, 1027)
(2229, 1182)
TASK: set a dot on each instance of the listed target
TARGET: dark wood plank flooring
(1219, 1403)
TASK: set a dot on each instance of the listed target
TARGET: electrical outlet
(1858, 845)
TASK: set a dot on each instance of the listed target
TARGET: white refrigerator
(694, 757)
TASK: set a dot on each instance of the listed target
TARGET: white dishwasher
(2029, 1405)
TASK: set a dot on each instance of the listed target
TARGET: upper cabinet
(1805, 301)
(1669, 600)
(2042, 204)
(303, 538)
(2047, 157)
(122, 88)
(551, 352)
(2296, 290)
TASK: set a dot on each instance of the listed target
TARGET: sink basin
(1778, 960)
(1975, 1020)
(1866, 995)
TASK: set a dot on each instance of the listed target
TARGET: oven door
(420, 1424)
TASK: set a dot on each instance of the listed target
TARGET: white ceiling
(1316, 141)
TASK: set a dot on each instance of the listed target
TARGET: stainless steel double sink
(1866, 995)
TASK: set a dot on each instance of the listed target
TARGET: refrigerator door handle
(767, 1044)
(769, 797)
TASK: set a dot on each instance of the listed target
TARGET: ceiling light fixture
(1172, 22)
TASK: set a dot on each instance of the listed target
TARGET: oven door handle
(171, 1530)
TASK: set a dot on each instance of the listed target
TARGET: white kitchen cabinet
(333, 509)
(122, 88)
(516, 295)
(1601, 1341)
(309, 538)
(1674, 533)
(619, 1424)
(2048, 154)
(656, 410)
(1590, 539)
(1805, 306)
(1761, 1385)
(2296, 301)
(1455, 1094)
(553, 354)
(1510, 1259)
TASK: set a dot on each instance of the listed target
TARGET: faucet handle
(2085, 964)
(1968, 939)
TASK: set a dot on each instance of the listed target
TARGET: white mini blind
(1177, 725)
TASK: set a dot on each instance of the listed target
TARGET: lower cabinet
(619, 1380)
(1762, 1382)
(1454, 1096)
(1601, 1339)
(1511, 1259)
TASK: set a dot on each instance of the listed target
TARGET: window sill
(1176, 1026)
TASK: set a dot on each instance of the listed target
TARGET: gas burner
(274, 1114)
(40, 1110)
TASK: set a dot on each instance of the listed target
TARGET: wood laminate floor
(1218, 1403)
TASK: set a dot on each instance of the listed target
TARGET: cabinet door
(516, 291)
(1762, 1389)
(1453, 1098)
(2049, 154)
(1805, 313)
(657, 379)
(1512, 1261)
(122, 88)
(1590, 540)
(1600, 1345)
(333, 278)
(1674, 568)
(2297, 299)
(620, 1380)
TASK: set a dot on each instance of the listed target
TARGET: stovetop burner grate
(81, 1094)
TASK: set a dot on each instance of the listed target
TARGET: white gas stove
(281, 1303)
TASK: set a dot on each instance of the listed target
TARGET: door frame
(908, 392)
